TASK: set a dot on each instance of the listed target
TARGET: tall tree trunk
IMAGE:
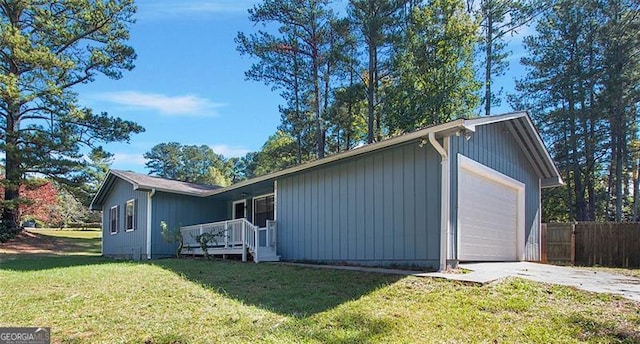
(489, 52)
(349, 128)
(591, 175)
(316, 105)
(575, 162)
(636, 183)
(568, 178)
(608, 201)
(620, 143)
(297, 100)
(299, 150)
(13, 175)
(378, 114)
(578, 189)
(619, 127)
(371, 98)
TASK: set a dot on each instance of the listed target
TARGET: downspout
(103, 228)
(445, 189)
(149, 199)
(275, 200)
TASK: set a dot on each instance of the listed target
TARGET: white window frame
(113, 229)
(133, 215)
(253, 205)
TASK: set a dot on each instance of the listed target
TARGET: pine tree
(297, 60)
(433, 77)
(46, 48)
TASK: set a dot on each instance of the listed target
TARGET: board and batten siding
(177, 211)
(494, 146)
(130, 244)
(376, 209)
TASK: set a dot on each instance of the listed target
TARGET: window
(130, 215)
(263, 210)
(113, 220)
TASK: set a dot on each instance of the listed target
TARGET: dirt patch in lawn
(27, 242)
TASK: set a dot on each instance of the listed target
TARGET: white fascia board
(157, 189)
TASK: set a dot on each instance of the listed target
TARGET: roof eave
(96, 202)
(551, 179)
(442, 130)
(142, 187)
(551, 182)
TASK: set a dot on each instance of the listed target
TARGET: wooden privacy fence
(592, 243)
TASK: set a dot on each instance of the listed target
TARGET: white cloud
(229, 151)
(171, 9)
(186, 105)
(128, 159)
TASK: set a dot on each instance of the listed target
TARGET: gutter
(445, 189)
(149, 207)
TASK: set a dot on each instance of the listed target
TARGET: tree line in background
(384, 68)
(44, 204)
(389, 67)
(582, 88)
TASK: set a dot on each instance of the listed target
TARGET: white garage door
(488, 214)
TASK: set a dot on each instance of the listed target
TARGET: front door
(239, 209)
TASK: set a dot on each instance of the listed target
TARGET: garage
(490, 214)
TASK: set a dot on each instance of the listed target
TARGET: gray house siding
(180, 210)
(377, 209)
(130, 244)
(493, 145)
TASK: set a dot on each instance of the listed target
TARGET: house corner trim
(149, 207)
(445, 189)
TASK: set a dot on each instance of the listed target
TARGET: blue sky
(188, 85)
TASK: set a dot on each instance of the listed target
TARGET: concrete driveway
(594, 281)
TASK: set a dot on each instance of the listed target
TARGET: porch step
(266, 254)
(269, 259)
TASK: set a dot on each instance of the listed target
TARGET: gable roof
(519, 124)
(145, 182)
(529, 141)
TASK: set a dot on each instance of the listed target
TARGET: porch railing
(233, 234)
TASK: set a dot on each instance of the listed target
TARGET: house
(466, 190)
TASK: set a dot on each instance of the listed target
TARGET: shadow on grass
(36, 262)
(55, 243)
(596, 329)
(78, 245)
(288, 290)
(35, 250)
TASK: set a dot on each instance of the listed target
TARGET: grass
(89, 299)
(70, 233)
(55, 242)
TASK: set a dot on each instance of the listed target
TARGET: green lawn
(70, 233)
(89, 299)
(55, 242)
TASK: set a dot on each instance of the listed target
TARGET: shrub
(172, 235)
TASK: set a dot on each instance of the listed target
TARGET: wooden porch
(232, 237)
